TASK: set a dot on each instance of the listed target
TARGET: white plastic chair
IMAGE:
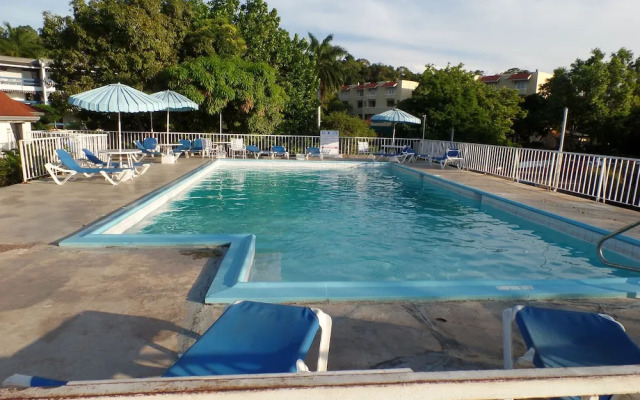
(237, 146)
(363, 148)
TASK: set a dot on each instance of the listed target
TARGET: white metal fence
(35, 153)
(603, 178)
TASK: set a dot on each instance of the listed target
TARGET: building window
(361, 93)
(360, 103)
(345, 103)
(521, 86)
(344, 94)
(391, 103)
(391, 91)
(371, 103)
(371, 92)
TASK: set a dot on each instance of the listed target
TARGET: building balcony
(11, 84)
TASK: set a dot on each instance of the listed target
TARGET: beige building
(25, 79)
(526, 83)
(372, 98)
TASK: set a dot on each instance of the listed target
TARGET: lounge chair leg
(53, 171)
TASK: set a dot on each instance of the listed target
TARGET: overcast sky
(489, 35)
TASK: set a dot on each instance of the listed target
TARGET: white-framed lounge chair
(279, 151)
(237, 146)
(70, 168)
(139, 167)
(255, 151)
(257, 338)
(363, 148)
(561, 338)
(314, 152)
(452, 156)
(144, 150)
(248, 338)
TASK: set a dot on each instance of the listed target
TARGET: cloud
(491, 35)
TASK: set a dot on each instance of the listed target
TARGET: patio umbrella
(117, 98)
(173, 101)
(396, 116)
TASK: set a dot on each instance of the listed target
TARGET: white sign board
(330, 143)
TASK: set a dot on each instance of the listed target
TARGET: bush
(348, 125)
(10, 168)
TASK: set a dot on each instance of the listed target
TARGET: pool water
(371, 223)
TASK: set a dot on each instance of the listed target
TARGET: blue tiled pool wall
(230, 283)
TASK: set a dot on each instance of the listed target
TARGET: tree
(328, 66)
(267, 42)
(245, 92)
(601, 97)
(348, 125)
(21, 41)
(108, 41)
(452, 99)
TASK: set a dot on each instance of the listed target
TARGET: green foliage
(267, 42)
(21, 41)
(362, 70)
(10, 168)
(451, 98)
(244, 91)
(603, 99)
(348, 125)
(51, 115)
(328, 67)
(108, 41)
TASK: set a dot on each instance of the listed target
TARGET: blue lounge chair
(248, 338)
(451, 156)
(150, 143)
(197, 147)
(255, 151)
(70, 167)
(146, 151)
(140, 168)
(279, 151)
(561, 338)
(314, 152)
(184, 148)
(256, 338)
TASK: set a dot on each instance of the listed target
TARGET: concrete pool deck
(96, 314)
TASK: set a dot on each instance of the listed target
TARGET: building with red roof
(370, 98)
(15, 121)
(526, 83)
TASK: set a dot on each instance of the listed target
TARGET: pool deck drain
(102, 313)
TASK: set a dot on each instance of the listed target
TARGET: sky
(487, 35)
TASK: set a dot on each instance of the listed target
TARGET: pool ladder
(609, 236)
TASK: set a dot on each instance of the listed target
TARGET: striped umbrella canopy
(396, 116)
(116, 98)
(174, 102)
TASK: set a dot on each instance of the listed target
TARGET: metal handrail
(609, 236)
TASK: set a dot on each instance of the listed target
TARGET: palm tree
(328, 65)
(21, 41)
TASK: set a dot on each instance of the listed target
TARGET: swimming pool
(370, 230)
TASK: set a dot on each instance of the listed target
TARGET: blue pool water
(371, 223)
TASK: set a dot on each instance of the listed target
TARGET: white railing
(603, 178)
(293, 143)
(35, 153)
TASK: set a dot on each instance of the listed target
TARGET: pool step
(267, 267)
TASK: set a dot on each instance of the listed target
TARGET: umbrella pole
(167, 125)
(151, 119)
(393, 140)
(120, 138)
